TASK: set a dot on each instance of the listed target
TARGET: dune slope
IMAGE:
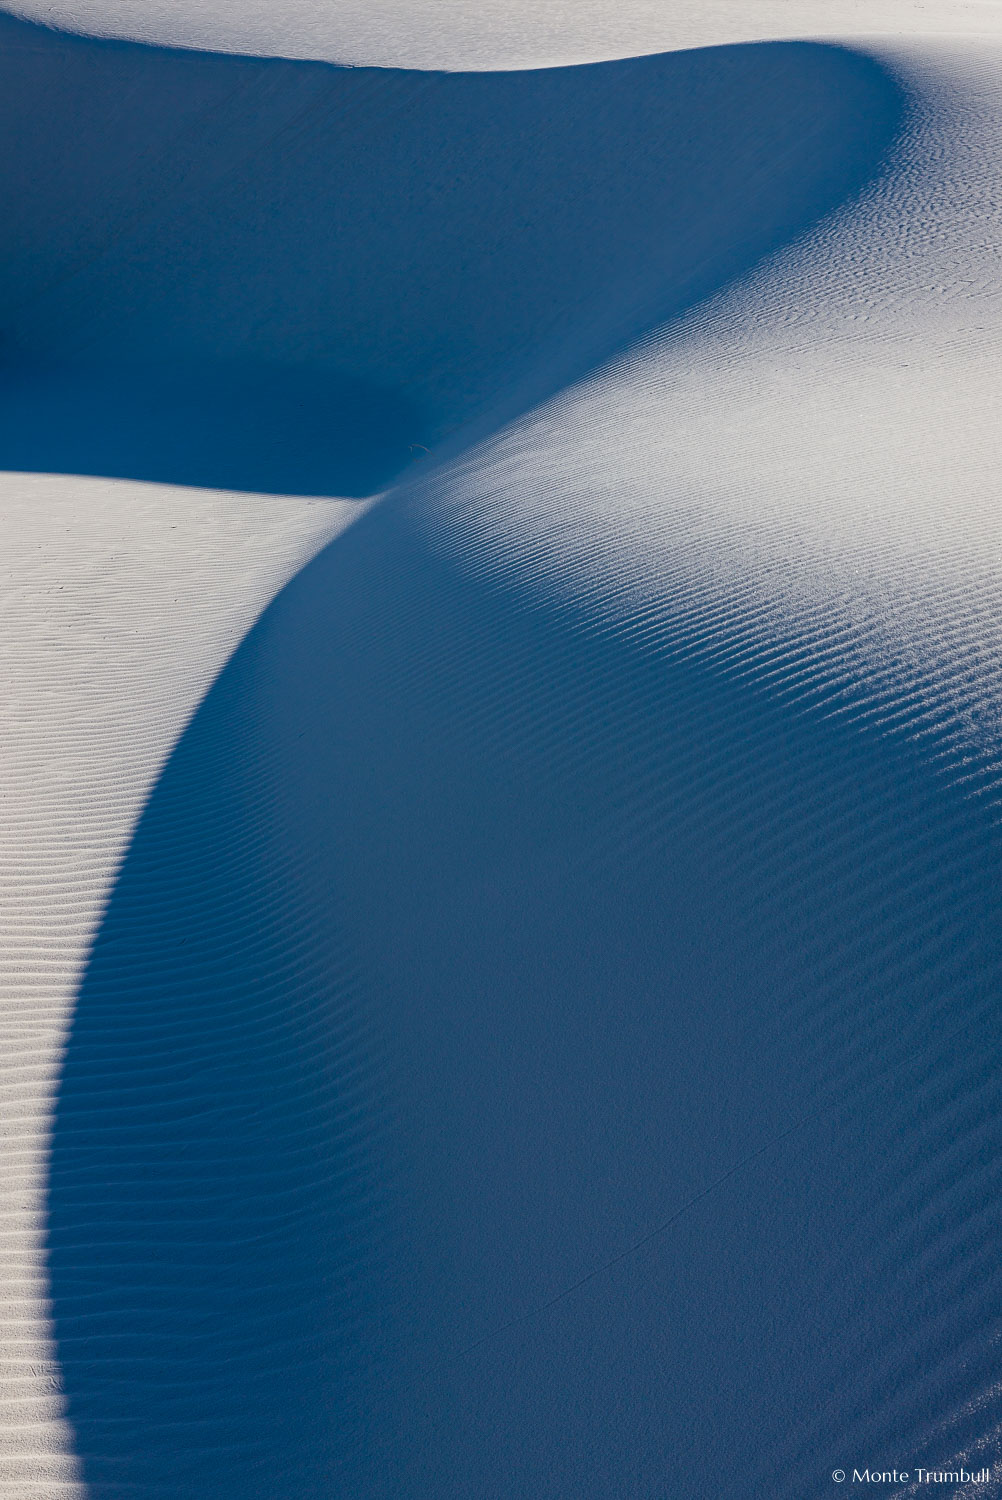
(540, 1036)
(222, 270)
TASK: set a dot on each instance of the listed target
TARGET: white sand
(832, 453)
(818, 440)
(121, 602)
(497, 34)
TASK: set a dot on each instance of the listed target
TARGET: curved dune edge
(123, 603)
(478, 653)
(496, 33)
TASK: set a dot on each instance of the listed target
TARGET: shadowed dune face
(430, 948)
(473, 932)
(280, 276)
(223, 425)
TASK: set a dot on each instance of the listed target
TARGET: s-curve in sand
(501, 762)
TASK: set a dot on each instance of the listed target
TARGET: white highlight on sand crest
(810, 459)
(495, 34)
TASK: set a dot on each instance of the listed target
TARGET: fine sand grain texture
(500, 769)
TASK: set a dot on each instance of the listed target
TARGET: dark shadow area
(464, 941)
(338, 263)
(278, 430)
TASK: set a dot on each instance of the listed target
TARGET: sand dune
(405, 249)
(505, 1006)
(497, 33)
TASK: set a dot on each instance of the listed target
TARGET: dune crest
(496, 34)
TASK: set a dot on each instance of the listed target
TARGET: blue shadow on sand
(276, 430)
(461, 943)
(267, 275)
(462, 939)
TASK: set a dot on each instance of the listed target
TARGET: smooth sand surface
(496, 33)
(500, 770)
